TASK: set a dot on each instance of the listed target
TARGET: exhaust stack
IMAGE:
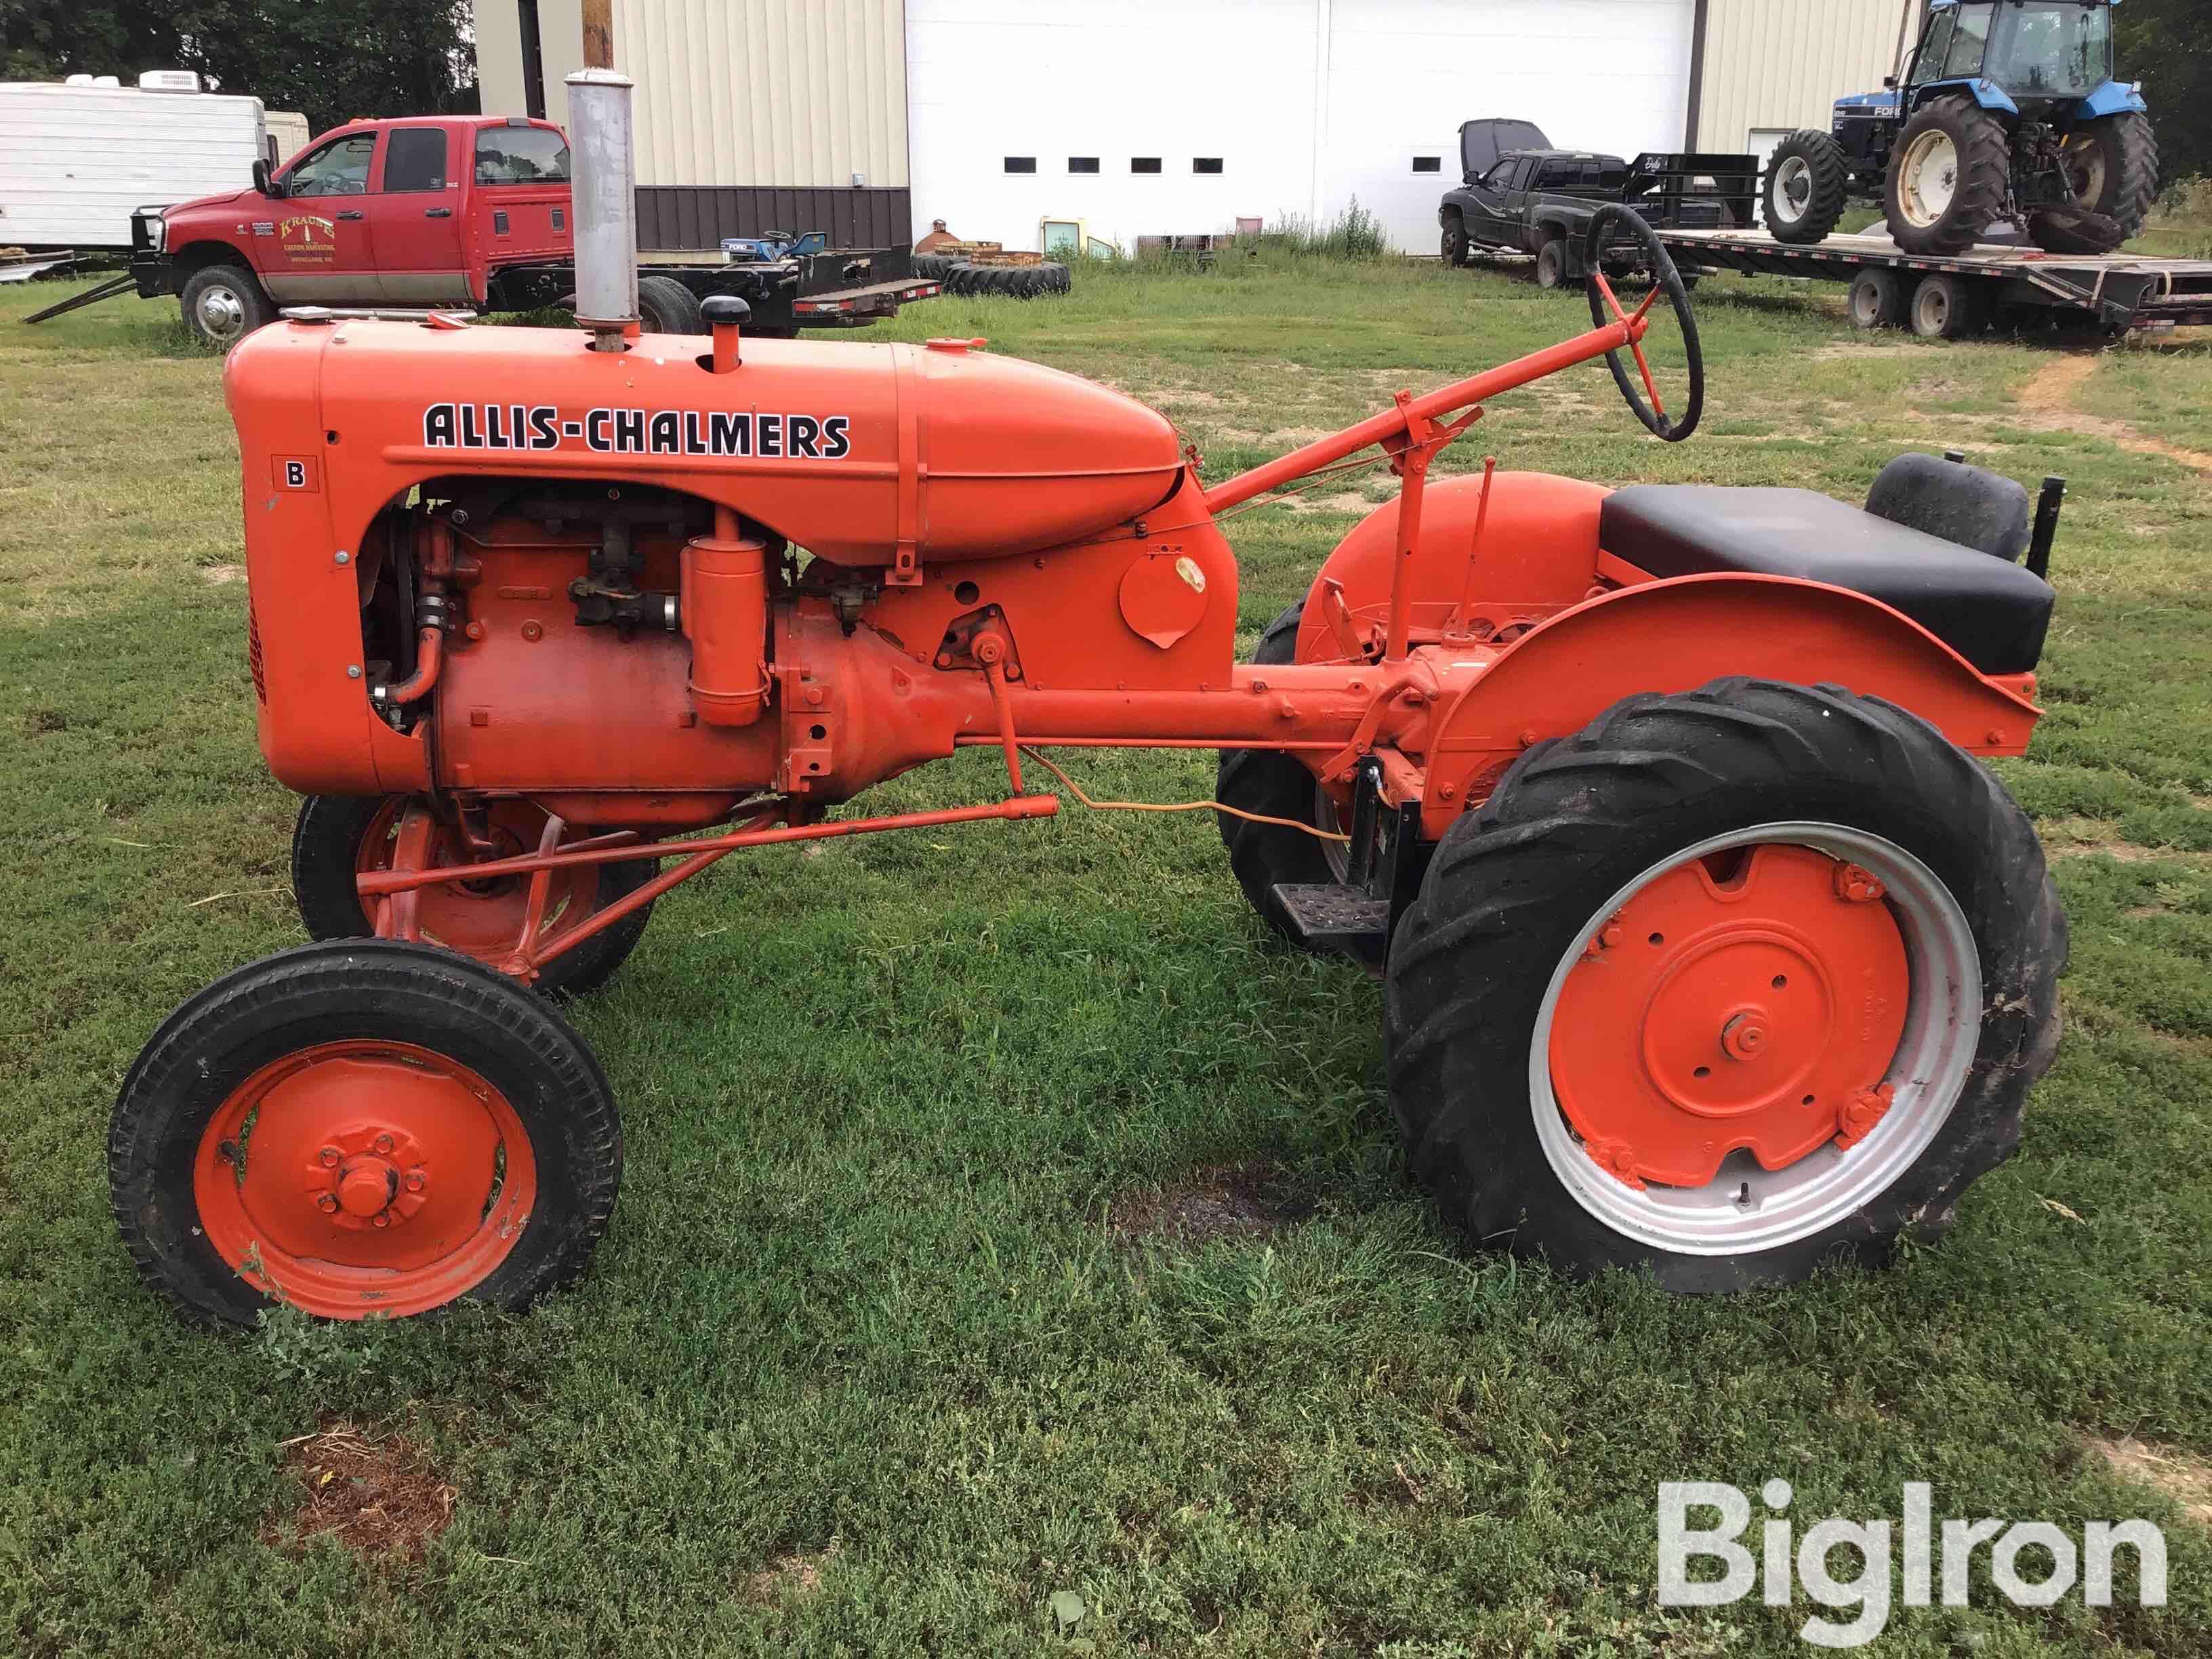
(604, 193)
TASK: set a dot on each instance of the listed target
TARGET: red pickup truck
(456, 212)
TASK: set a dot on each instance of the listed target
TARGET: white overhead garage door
(1177, 117)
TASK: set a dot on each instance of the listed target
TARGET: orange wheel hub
(365, 1176)
(1749, 1000)
(484, 919)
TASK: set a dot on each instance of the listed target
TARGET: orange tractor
(1710, 944)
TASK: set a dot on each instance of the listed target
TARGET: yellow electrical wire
(1075, 790)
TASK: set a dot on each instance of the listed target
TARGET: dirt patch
(377, 1498)
(220, 576)
(1847, 350)
(786, 1575)
(1344, 500)
(2186, 1479)
(2048, 400)
(1223, 1200)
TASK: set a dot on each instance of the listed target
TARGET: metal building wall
(1771, 65)
(751, 115)
(791, 93)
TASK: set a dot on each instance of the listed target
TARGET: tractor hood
(853, 452)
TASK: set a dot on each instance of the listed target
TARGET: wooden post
(599, 34)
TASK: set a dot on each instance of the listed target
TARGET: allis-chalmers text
(637, 431)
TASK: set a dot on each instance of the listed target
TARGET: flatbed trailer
(2117, 291)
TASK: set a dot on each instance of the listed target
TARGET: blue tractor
(2007, 110)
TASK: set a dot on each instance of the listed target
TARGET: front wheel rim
(1928, 178)
(222, 314)
(364, 1176)
(1836, 1151)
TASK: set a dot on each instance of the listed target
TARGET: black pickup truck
(1518, 194)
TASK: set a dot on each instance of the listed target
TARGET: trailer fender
(1679, 634)
(1536, 556)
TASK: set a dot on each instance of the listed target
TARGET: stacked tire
(1014, 281)
(932, 267)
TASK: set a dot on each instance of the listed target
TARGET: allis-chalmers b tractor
(1711, 946)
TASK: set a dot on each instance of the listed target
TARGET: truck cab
(418, 212)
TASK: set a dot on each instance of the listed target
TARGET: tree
(2167, 46)
(332, 60)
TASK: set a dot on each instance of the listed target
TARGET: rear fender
(2110, 99)
(1677, 635)
(1537, 556)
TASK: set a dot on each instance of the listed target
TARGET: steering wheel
(1605, 308)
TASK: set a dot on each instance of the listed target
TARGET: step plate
(1330, 916)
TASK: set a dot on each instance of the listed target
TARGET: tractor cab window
(1958, 55)
(2053, 49)
(521, 156)
(337, 169)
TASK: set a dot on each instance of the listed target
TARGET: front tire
(223, 304)
(1453, 246)
(362, 1129)
(1807, 185)
(1552, 261)
(1725, 986)
(1947, 177)
(337, 837)
(1272, 784)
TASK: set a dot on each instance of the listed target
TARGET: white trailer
(76, 159)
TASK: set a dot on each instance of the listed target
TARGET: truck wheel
(363, 1128)
(338, 836)
(1807, 180)
(223, 304)
(1948, 177)
(1454, 248)
(2111, 163)
(1946, 307)
(1725, 986)
(1877, 299)
(665, 306)
(1552, 261)
(1274, 785)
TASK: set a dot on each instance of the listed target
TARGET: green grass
(859, 1305)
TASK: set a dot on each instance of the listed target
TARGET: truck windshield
(2052, 48)
(521, 156)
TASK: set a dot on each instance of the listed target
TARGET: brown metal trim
(672, 218)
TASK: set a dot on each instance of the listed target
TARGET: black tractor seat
(1989, 611)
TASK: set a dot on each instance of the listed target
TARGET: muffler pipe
(603, 192)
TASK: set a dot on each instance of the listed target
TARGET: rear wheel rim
(1928, 178)
(1932, 301)
(364, 1176)
(483, 920)
(1883, 1081)
(1793, 189)
(2083, 158)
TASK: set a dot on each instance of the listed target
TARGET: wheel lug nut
(414, 1181)
(380, 1219)
(327, 1203)
(329, 1156)
(384, 1143)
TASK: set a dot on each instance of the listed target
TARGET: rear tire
(1552, 261)
(1948, 177)
(1877, 299)
(1806, 184)
(1946, 307)
(1274, 785)
(665, 306)
(332, 843)
(1486, 1043)
(469, 1146)
(2112, 164)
